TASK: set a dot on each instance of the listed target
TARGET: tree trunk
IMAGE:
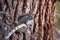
(43, 11)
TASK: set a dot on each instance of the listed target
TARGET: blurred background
(57, 17)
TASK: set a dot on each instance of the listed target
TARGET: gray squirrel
(23, 22)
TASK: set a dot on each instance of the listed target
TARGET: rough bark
(43, 11)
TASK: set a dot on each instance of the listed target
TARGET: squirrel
(23, 22)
